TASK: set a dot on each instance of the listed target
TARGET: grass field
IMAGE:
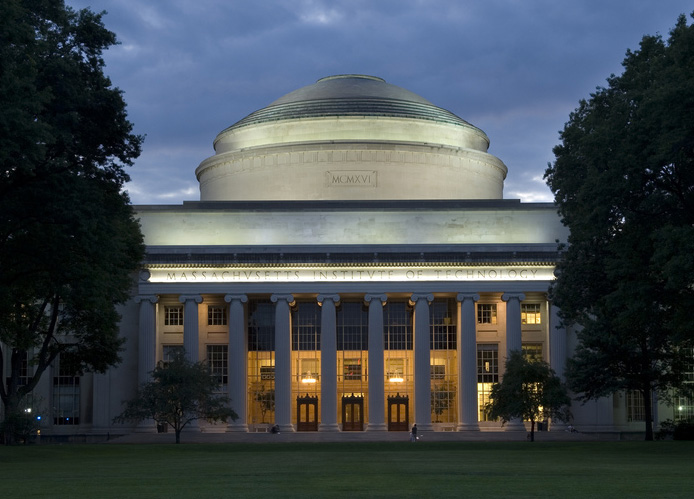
(432, 469)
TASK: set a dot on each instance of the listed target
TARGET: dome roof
(350, 95)
(351, 137)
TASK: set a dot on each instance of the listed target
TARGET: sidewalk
(356, 436)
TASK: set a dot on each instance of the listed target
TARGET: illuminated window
(173, 316)
(216, 316)
(218, 362)
(438, 371)
(395, 370)
(486, 313)
(487, 375)
(530, 313)
(532, 351)
(309, 371)
(352, 369)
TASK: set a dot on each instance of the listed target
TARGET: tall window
(684, 406)
(352, 345)
(261, 361)
(173, 315)
(443, 368)
(306, 331)
(397, 321)
(216, 315)
(218, 362)
(66, 396)
(530, 313)
(486, 313)
(487, 375)
(635, 407)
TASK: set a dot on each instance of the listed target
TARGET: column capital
(368, 298)
(429, 297)
(230, 298)
(150, 298)
(185, 298)
(280, 297)
(467, 296)
(513, 296)
(334, 298)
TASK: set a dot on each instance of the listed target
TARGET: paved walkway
(364, 436)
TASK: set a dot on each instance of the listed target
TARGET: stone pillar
(191, 326)
(238, 360)
(377, 411)
(557, 353)
(147, 337)
(328, 362)
(191, 338)
(513, 339)
(422, 360)
(557, 342)
(147, 348)
(283, 362)
(467, 364)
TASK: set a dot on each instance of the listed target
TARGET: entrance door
(307, 413)
(398, 413)
(352, 413)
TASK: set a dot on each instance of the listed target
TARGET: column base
(148, 426)
(425, 427)
(515, 425)
(468, 427)
(376, 427)
(289, 428)
(237, 428)
(329, 427)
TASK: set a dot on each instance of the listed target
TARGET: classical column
(147, 337)
(328, 362)
(557, 342)
(283, 362)
(147, 347)
(191, 338)
(191, 326)
(377, 411)
(467, 364)
(422, 360)
(557, 352)
(513, 339)
(238, 359)
(513, 321)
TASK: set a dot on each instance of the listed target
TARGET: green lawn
(425, 469)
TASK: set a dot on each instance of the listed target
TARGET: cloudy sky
(514, 68)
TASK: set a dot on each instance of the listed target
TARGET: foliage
(180, 392)
(529, 390)
(69, 242)
(623, 180)
(266, 400)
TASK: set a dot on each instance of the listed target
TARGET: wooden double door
(352, 413)
(398, 413)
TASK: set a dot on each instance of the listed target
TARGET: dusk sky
(514, 68)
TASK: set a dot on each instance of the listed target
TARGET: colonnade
(237, 385)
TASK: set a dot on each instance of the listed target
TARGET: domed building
(351, 265)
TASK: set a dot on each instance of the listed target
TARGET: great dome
(351, 137)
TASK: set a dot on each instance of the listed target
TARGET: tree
(69, 242)
(180, 392)
(441, 398)
(623, 181)
(266, 401)
(529, 390)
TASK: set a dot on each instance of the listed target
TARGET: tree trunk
(532, 430)
(648, 411)
(178, 435)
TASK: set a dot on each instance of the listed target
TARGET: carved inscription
(351, 178)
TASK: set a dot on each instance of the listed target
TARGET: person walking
(413, 433)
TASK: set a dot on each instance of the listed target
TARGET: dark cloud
(514, 68)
